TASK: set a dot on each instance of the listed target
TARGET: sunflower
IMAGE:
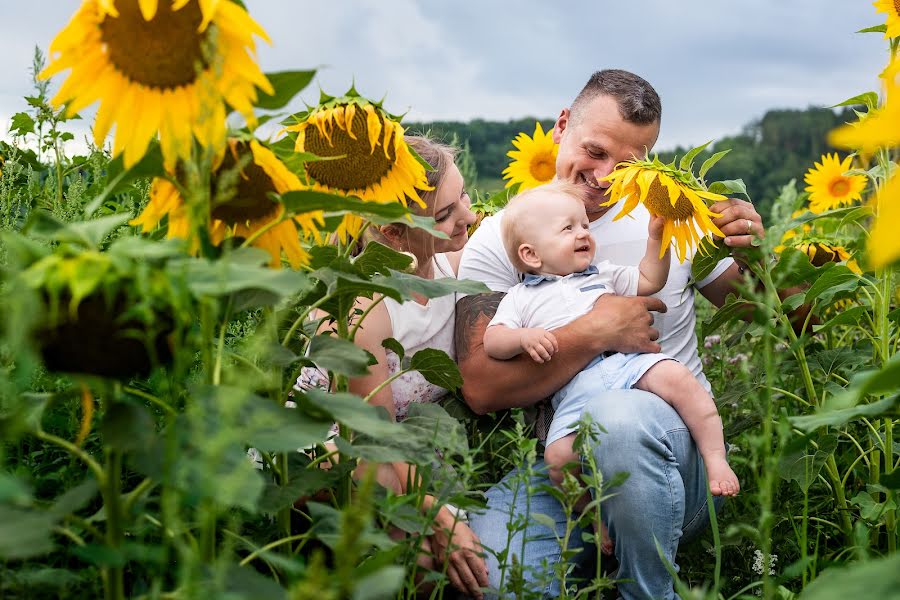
(668, 192)
(368, 157)
(159, 66)
(880, 127)
(248, 212)
(884, 243)
(892, 8)
(534, 160)
(821, 253)
(829, 187)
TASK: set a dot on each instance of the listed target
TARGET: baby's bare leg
(674, 383)
(559, 454)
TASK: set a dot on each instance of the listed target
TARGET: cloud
(717, 65)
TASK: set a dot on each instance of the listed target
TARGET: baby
(546, 234)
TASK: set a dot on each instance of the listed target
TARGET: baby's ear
(528, 256)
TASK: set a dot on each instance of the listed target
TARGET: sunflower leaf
(286, 85)
(711, 161)
(835, 279)
(437, 368)
(707, 257)
(307, 201)
(688, 159)
(378, 258)
(341, 356)
(21, 124)
(729, 186)
(874, 29)
(870, 99)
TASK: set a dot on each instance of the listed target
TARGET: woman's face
(451, 215)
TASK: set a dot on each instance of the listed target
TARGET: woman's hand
(461, 552)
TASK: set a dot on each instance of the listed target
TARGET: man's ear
(561, 123)
(528, 256)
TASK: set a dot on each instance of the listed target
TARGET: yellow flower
(534, 159)
(159, 66)
(246, 211)
(879, 127)
(892, 8)
(371, 160)
(884, 241)
(829, 187)
(667, 192)
(821, 253)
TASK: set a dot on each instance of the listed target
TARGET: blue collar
(531, 280)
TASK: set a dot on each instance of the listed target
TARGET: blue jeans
(664, 499)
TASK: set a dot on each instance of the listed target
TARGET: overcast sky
(717, 64)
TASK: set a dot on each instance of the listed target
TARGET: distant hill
(767, 153)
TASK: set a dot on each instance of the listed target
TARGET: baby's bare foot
(722, 480)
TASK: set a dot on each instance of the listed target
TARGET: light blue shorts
(605, 373)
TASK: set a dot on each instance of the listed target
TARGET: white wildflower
(758, 561)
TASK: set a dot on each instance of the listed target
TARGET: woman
(419, 324)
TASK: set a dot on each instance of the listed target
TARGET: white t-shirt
(550, 302)
(623, 242)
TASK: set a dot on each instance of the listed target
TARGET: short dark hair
(638, 101)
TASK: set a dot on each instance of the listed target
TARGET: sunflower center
(658, 203)
(839, 186)
(897, 7)
(251, 195)
(165, 52)
(820, 254)
(360, 168)
(542, 167)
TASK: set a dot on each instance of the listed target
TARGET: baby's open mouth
(583, 248)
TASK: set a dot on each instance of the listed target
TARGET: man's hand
(623, 323)
(739, 222)
(539, 343)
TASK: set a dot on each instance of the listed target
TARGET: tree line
(766, 154)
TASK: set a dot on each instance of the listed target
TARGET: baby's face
(560, 234)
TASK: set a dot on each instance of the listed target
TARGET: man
(614, 118)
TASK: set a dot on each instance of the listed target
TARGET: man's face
(591, 145)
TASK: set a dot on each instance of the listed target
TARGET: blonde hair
(519, 213)
(440, 157)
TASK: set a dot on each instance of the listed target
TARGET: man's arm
(615, 323)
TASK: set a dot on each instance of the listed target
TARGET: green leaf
(732, 310)
(870, 509)
(286, 85)
(793, 268)
(21, 124)
(74, 499)
(729, 186)
(127, 426)
(834, 280)
(118, 178)
(847, 317)
(836, 418)
(870, 99)
(380, 585)
(408, 284)
(87, 233)
(306, 482)
(801, 461)
(879, 578)
(395, 347)
(437, 368)
(378, 258)
(24, 533)
(882, 28)
(247, 583)
(239, 271)
(835, 360)
(707, 257)
(338, 355)
(352, 411)
(711, 161)
(308, 200)
(14, 491)
(101, 556)
(688, 158)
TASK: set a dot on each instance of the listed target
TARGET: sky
(717, 64)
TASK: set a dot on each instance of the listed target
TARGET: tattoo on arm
(468, 312)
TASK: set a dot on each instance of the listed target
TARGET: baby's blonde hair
(519, 214)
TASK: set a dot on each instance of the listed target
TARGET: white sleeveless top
(416, 326)
(419, 326)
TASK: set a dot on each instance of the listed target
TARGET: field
(160, 303)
